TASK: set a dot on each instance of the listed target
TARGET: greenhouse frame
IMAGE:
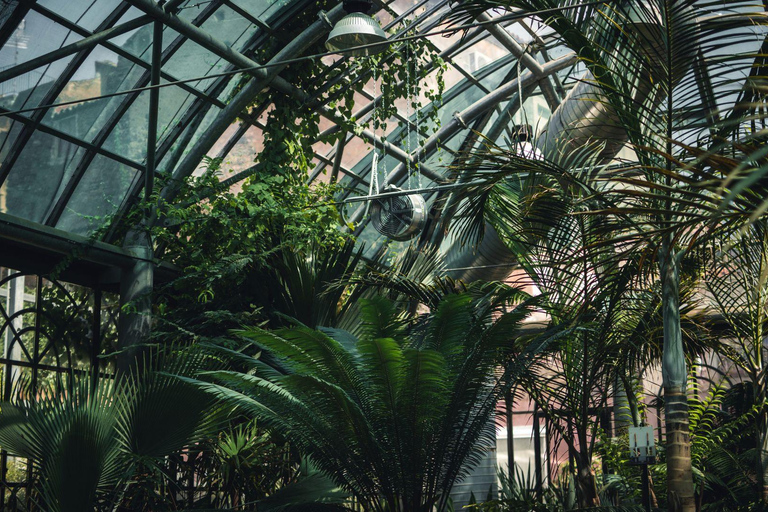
(383, 255)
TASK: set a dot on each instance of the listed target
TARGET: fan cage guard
(399, 217)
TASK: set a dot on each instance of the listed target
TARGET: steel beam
(248, 16)
(172, 6)
(61, 243)
(262, 77)
(508, 42)
(337, 158)
(154, 107)
(70, 49)
(461, 119)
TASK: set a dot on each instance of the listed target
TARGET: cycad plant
(399, 412)
(724, 471)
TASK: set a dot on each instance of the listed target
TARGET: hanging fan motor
(399, 217)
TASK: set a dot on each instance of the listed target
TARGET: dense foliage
(398, 413)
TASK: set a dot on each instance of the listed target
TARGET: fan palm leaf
(87, 441)
(69, 437)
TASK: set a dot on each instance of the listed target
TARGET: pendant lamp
(357, 28)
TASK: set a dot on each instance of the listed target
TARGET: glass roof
(74, 163)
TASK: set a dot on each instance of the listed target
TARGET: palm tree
(399, 412)
(677, 130)
(572, 384)
(614, 302)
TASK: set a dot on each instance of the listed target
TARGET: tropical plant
(723, 452)
(399, 413)
(617, 310)
(127, 443)
(244, 464)
(95, 446)
(737, 282)
(515, 495)
(571, 383)
(676, 185)
(614, 302)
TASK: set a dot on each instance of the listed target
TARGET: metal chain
(383, 158)
(374, 115)
(418, 131)
(408, 119)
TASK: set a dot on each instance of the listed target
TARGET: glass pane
(17, 298)
(9, 131)
(123, 77)
(244, 152)
(65, 325)
(129, 137)
(89, 14)
(97, 197)
(39, 176)
(103, 72)
(34, 37)
(174, 102)
(202, 129)
(192, 60)
(262, 10)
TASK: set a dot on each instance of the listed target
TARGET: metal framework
(123, 142)
(194, 129)
(48, 329)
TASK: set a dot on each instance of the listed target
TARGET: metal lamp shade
(354, 30)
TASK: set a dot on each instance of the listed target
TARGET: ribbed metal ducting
(489, 261)
(582, 124)
(583, 121)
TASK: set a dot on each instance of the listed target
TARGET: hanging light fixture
(357, 29)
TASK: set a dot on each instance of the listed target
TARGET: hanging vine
(215, 231)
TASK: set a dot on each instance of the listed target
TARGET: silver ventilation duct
(583, 121)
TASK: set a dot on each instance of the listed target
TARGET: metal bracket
(324, 17)
(457, 117)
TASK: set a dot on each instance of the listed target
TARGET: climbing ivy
(219, 236)
(292, 128)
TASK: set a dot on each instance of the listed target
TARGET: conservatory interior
(383, 255)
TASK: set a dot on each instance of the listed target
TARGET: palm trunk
(631, 385)
(679, 474)
(586, 484)
(674, 376)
